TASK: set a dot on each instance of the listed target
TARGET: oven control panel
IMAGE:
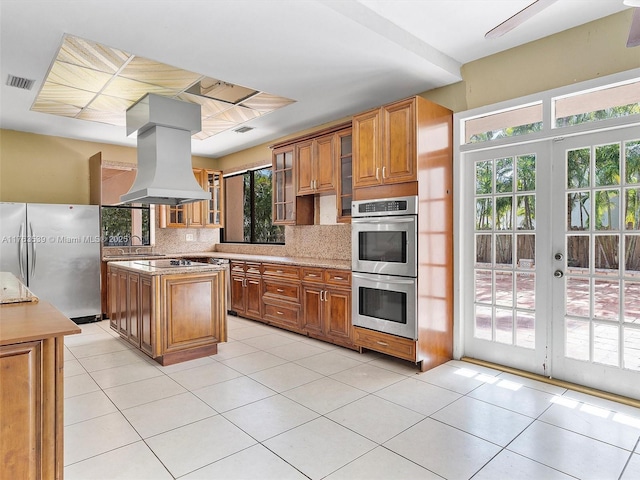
(385, 206)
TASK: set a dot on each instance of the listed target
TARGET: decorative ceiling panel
(55, 108)
(63, 94)
(78, 51)
(159, 74)
(97, 83)
(78, 77)
(134, 90)
(265, 102)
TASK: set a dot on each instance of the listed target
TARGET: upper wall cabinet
(384, 144)
(288, 209)
(204, 214)
(316, 165)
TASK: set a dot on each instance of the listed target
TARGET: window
(126, 225)
(249, 210)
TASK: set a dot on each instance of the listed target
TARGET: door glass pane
(525, 330)
(526, 251)
(608, 164)
(632, 209)
(483, 323)
(526, 212)
(578, 297)
(632, 255)
(483, 250)
(632, 348)
(526, 173)
(632, 302)
(577, 253)
(504, 326)
(504, 250)
(484, 177)
(577, 339)
(606, 299)
(632, 161)
(526, 290)
(607, 210)
(578, 168)
(504, 175)
(483, 286)
(504, 213)
(606, 253)
(484, 213)
(605, 344)
(504, 288)
(579, 211)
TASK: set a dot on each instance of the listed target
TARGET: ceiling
(333, 58)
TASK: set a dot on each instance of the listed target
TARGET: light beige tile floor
(274, 405)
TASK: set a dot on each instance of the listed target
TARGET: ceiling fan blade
(520, 17)
(634, 32)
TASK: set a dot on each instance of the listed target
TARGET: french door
(508, 192)
(552, 263)
(596, 260)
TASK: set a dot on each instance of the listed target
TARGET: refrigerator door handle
(32, 273)
(21, 241)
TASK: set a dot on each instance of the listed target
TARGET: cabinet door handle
(384, 171)
(377, 173)
(382, 343)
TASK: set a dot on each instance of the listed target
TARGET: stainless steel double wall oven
(385, 265)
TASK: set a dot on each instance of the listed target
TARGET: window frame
(251, 172)
(128, 239)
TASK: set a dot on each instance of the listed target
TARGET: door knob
(558, 274)
(558, 256)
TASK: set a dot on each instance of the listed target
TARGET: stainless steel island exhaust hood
(164, 126)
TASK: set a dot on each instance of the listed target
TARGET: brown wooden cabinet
(246, 289)
(204, 214)
(281, 295)
(344, 187)
(384, 144)
(32, 390)
(315, 165)
(413, 140)
(288, 208)
(326, 304)
(170, 317)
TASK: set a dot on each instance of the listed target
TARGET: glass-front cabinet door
(345, 171)
(284, 195)
(213, 182)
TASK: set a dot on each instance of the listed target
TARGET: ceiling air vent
(20, 82)
(243, 129)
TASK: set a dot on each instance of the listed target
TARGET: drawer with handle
(314, 275)
(280, 314)
(337, 277)
(280, 271)
(383, 342)
(281, 289)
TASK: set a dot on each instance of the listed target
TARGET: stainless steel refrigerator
(55, 251)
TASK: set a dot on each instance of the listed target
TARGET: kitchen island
(173, 310)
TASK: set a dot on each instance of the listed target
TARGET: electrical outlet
(189, 237)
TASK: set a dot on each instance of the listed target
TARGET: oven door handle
(370, 220)
(387, 279)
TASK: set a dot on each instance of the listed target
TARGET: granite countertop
(144, 266)
(13, 290)
(245, 257)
